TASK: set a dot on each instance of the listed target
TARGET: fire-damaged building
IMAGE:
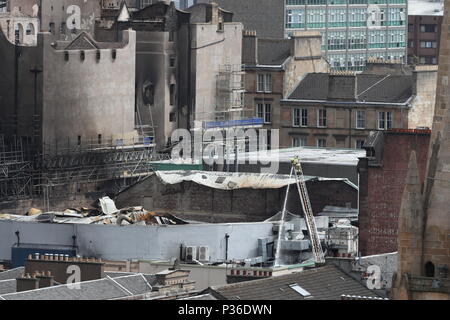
(233, 197)
(178, 60)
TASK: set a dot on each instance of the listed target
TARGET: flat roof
(425, 8)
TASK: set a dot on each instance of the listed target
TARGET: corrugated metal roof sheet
(232, 180)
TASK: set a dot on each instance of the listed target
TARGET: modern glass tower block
(353, 30)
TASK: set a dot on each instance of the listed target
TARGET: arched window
(19, 33)
(30, 29)
(429, 269)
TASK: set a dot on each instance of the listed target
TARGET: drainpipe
(227, 236)
(189, 95)
(74, 241)
(181, 252)
(350, 128)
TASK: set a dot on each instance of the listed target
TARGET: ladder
(309, 217)
(147, 131)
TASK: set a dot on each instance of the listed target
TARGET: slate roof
(12, 273)
(200, 297)
(8, 286)
(273, 51)
(370, 88)
(101, 289)
(323, 283)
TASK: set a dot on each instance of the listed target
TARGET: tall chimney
(250, 47)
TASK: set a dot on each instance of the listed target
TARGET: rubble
(108, 214)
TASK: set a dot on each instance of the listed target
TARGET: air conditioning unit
(190, 254)
(203, 254)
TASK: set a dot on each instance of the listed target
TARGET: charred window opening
(63, 28)
(429, 269)
(172, 94)
(52, 27)
(149, 93)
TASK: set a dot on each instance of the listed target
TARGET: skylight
(299, 290)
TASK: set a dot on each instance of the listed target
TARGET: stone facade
(19, 28)
(73, 95)
(342, 128)
(300, 56)
(63, 19)
(421, 114)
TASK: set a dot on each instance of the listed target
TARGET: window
(428, 28)
(299, 142)
(384, 120)
(79, 141)
(299, 290)
(359, 144)
(429, 269)
(300, 117)
(264, 83)
(321, 143)
(172, 61)
(172, 94)
(63, 28)
(52, 27)
(322, 118)
(172, 117)
(99, 139)
(264, 112)
(268, 86)
(30, 29)
(360, 119)
(428, 44)
(171, 36)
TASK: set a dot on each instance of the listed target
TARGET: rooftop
(273, 51)
(369, 88)
(12, 273)
(425, 8)
(323, 283)
(101, 289)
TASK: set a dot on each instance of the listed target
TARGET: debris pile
(107, 214)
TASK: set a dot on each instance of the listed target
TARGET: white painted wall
(112, 242)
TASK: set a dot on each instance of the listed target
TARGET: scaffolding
(16, 171)
(55, 168)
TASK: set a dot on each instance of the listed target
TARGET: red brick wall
(381, 190)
